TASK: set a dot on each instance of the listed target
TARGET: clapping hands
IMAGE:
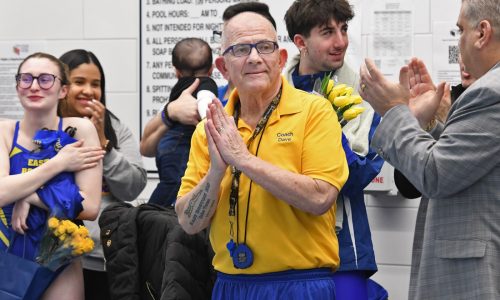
(415, 89)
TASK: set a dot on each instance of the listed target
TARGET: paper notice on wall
(391, 39)
(163, 24)
(11, 55)
(445, 52)
(166, 22)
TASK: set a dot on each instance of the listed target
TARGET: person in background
(456, 164)
(192, 60)
(319, 30)
(124, 176)
(29, 163)
(264, 173)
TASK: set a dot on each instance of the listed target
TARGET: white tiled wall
(110, 28)
(35, 20)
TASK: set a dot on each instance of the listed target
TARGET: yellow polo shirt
(302, 136)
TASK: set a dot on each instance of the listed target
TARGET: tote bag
(23, 279)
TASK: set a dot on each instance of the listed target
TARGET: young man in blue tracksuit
(319, 30)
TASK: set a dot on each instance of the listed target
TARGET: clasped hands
(225, 145)
(415, 89)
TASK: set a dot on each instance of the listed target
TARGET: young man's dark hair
(192, 56)
(304, 15)
(255, 7)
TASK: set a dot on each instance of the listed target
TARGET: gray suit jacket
(459, 171)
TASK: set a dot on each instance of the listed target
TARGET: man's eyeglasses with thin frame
(45, 80)
(262, 47)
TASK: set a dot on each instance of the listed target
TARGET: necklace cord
(234, 195)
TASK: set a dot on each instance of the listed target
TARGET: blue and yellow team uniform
(60, 194)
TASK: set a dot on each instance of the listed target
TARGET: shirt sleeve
(198, 163)
(323, 155)
(123, 169)
(467, 148)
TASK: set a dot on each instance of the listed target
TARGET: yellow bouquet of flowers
(341, 98)
(63, 241)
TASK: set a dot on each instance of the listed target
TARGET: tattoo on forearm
(199, 205)
(189, 210)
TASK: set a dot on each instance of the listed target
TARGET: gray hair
(477, 10)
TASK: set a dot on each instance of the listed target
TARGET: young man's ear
(300, 42)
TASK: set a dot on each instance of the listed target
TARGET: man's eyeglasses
(263, 47)
(45, 81)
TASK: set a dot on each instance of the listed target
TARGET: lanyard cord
(249, 193)
(235, 183)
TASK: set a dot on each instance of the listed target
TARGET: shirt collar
(306, 82)
(286, 106)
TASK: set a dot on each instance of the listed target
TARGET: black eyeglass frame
(231, 48)
(18, 80)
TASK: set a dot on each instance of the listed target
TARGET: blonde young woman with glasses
(36, 152)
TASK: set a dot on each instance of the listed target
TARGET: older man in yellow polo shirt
(264, 173)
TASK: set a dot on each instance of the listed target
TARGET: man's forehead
(245, 18)
(248, 24)
(332, 23)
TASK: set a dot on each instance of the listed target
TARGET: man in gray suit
(455, 164)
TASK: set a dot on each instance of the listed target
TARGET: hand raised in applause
(444, 106)
(425, 97)
(380, 92)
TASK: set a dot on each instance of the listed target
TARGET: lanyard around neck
(235, 183)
